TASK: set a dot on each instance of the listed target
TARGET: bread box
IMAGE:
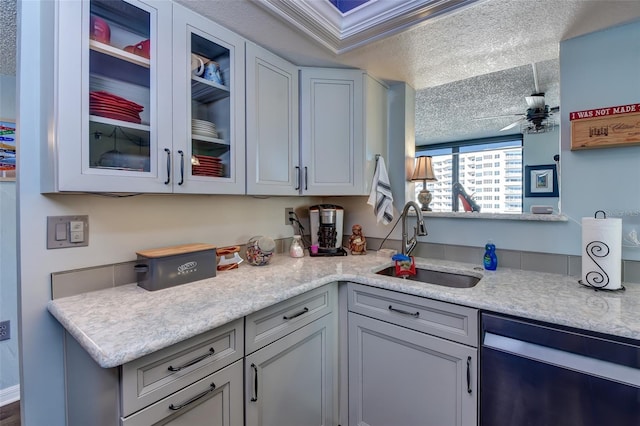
(170, 266)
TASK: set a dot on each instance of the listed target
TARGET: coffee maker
(326, 229)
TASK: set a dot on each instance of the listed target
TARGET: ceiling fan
(538, 116)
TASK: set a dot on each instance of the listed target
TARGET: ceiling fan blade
(512, 125)
(554, 109)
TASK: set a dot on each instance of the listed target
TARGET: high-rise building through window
(488, 170)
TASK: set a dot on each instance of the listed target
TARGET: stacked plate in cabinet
(203, 128)
(108, 105)
(209, 166)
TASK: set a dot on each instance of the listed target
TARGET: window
(464, 161)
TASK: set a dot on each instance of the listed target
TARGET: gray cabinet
(404, 377)
(272, 124)
(215, 400)
(292, 380)
(200, 378)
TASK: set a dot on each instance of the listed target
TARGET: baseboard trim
(9, 395)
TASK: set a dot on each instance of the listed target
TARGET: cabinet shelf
(206, 91)
(105, 125)
(115, 52)
(208, 140)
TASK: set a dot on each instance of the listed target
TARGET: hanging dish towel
(381, 198)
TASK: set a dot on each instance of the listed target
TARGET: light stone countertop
(124, 323)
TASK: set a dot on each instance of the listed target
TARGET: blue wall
(601, 70)
(596, 70)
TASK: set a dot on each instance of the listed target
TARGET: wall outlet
(288, 214)
(5, 330)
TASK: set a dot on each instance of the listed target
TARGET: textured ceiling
(8, 37)
(474, 62)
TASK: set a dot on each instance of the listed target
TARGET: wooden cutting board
(173, 250)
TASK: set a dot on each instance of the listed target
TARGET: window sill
(499, 216)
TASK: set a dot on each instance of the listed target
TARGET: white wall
(9, 373)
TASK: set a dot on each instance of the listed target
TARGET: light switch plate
(76, 231)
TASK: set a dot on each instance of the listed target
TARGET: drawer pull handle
(212, 387)
(403, 312)
(469, 374)
(193, 361)
(254, 397)
(297, 314)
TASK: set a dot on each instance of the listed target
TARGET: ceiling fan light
(535, 101)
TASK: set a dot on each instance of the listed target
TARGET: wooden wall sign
(605, 127)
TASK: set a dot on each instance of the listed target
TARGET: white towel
(380, 197)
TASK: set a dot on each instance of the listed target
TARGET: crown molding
(342, 32)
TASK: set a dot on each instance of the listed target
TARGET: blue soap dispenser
(490, 259)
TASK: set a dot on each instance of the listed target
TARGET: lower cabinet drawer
(158, 375)
(215, 400)
(446, 320)
(270, 324)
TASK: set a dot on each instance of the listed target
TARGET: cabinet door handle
(306, 178)
(212, 387)
(181, 167)
(403, 312)
(193, 361)
(297, 178)
(469, 374)
(254, 397)
(166, 182)
(297, 314)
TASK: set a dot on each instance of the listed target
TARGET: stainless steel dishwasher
(537, 374)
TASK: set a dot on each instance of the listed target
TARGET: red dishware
(141, 49)
(99, 30)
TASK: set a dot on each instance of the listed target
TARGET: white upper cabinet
(272, 124)
(208, 106)
(338, 109)
(110, 115)
(124, 98)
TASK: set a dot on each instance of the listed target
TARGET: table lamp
(424, 172)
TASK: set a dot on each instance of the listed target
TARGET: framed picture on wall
(541, 181)
(7, 149)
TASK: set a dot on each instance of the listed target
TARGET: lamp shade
(424, 169)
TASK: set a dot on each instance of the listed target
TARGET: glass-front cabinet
(208, 104)
(145, 100)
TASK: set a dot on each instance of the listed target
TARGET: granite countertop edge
(120, 324)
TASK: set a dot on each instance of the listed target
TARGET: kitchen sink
(447, 279)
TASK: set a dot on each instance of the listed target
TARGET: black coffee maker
(326, 229)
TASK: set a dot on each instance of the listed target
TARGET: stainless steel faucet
(419, 229)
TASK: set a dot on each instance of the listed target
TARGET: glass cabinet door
(208, 106)
(113, 57)
(119, 94)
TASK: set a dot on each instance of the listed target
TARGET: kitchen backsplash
(69, 283)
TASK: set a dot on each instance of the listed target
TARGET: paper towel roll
(602, 253)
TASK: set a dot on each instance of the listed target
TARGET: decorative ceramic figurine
(357, 241)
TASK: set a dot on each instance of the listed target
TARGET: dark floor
(10, 414)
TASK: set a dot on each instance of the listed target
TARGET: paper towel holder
(604, 214)
(592, 249)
